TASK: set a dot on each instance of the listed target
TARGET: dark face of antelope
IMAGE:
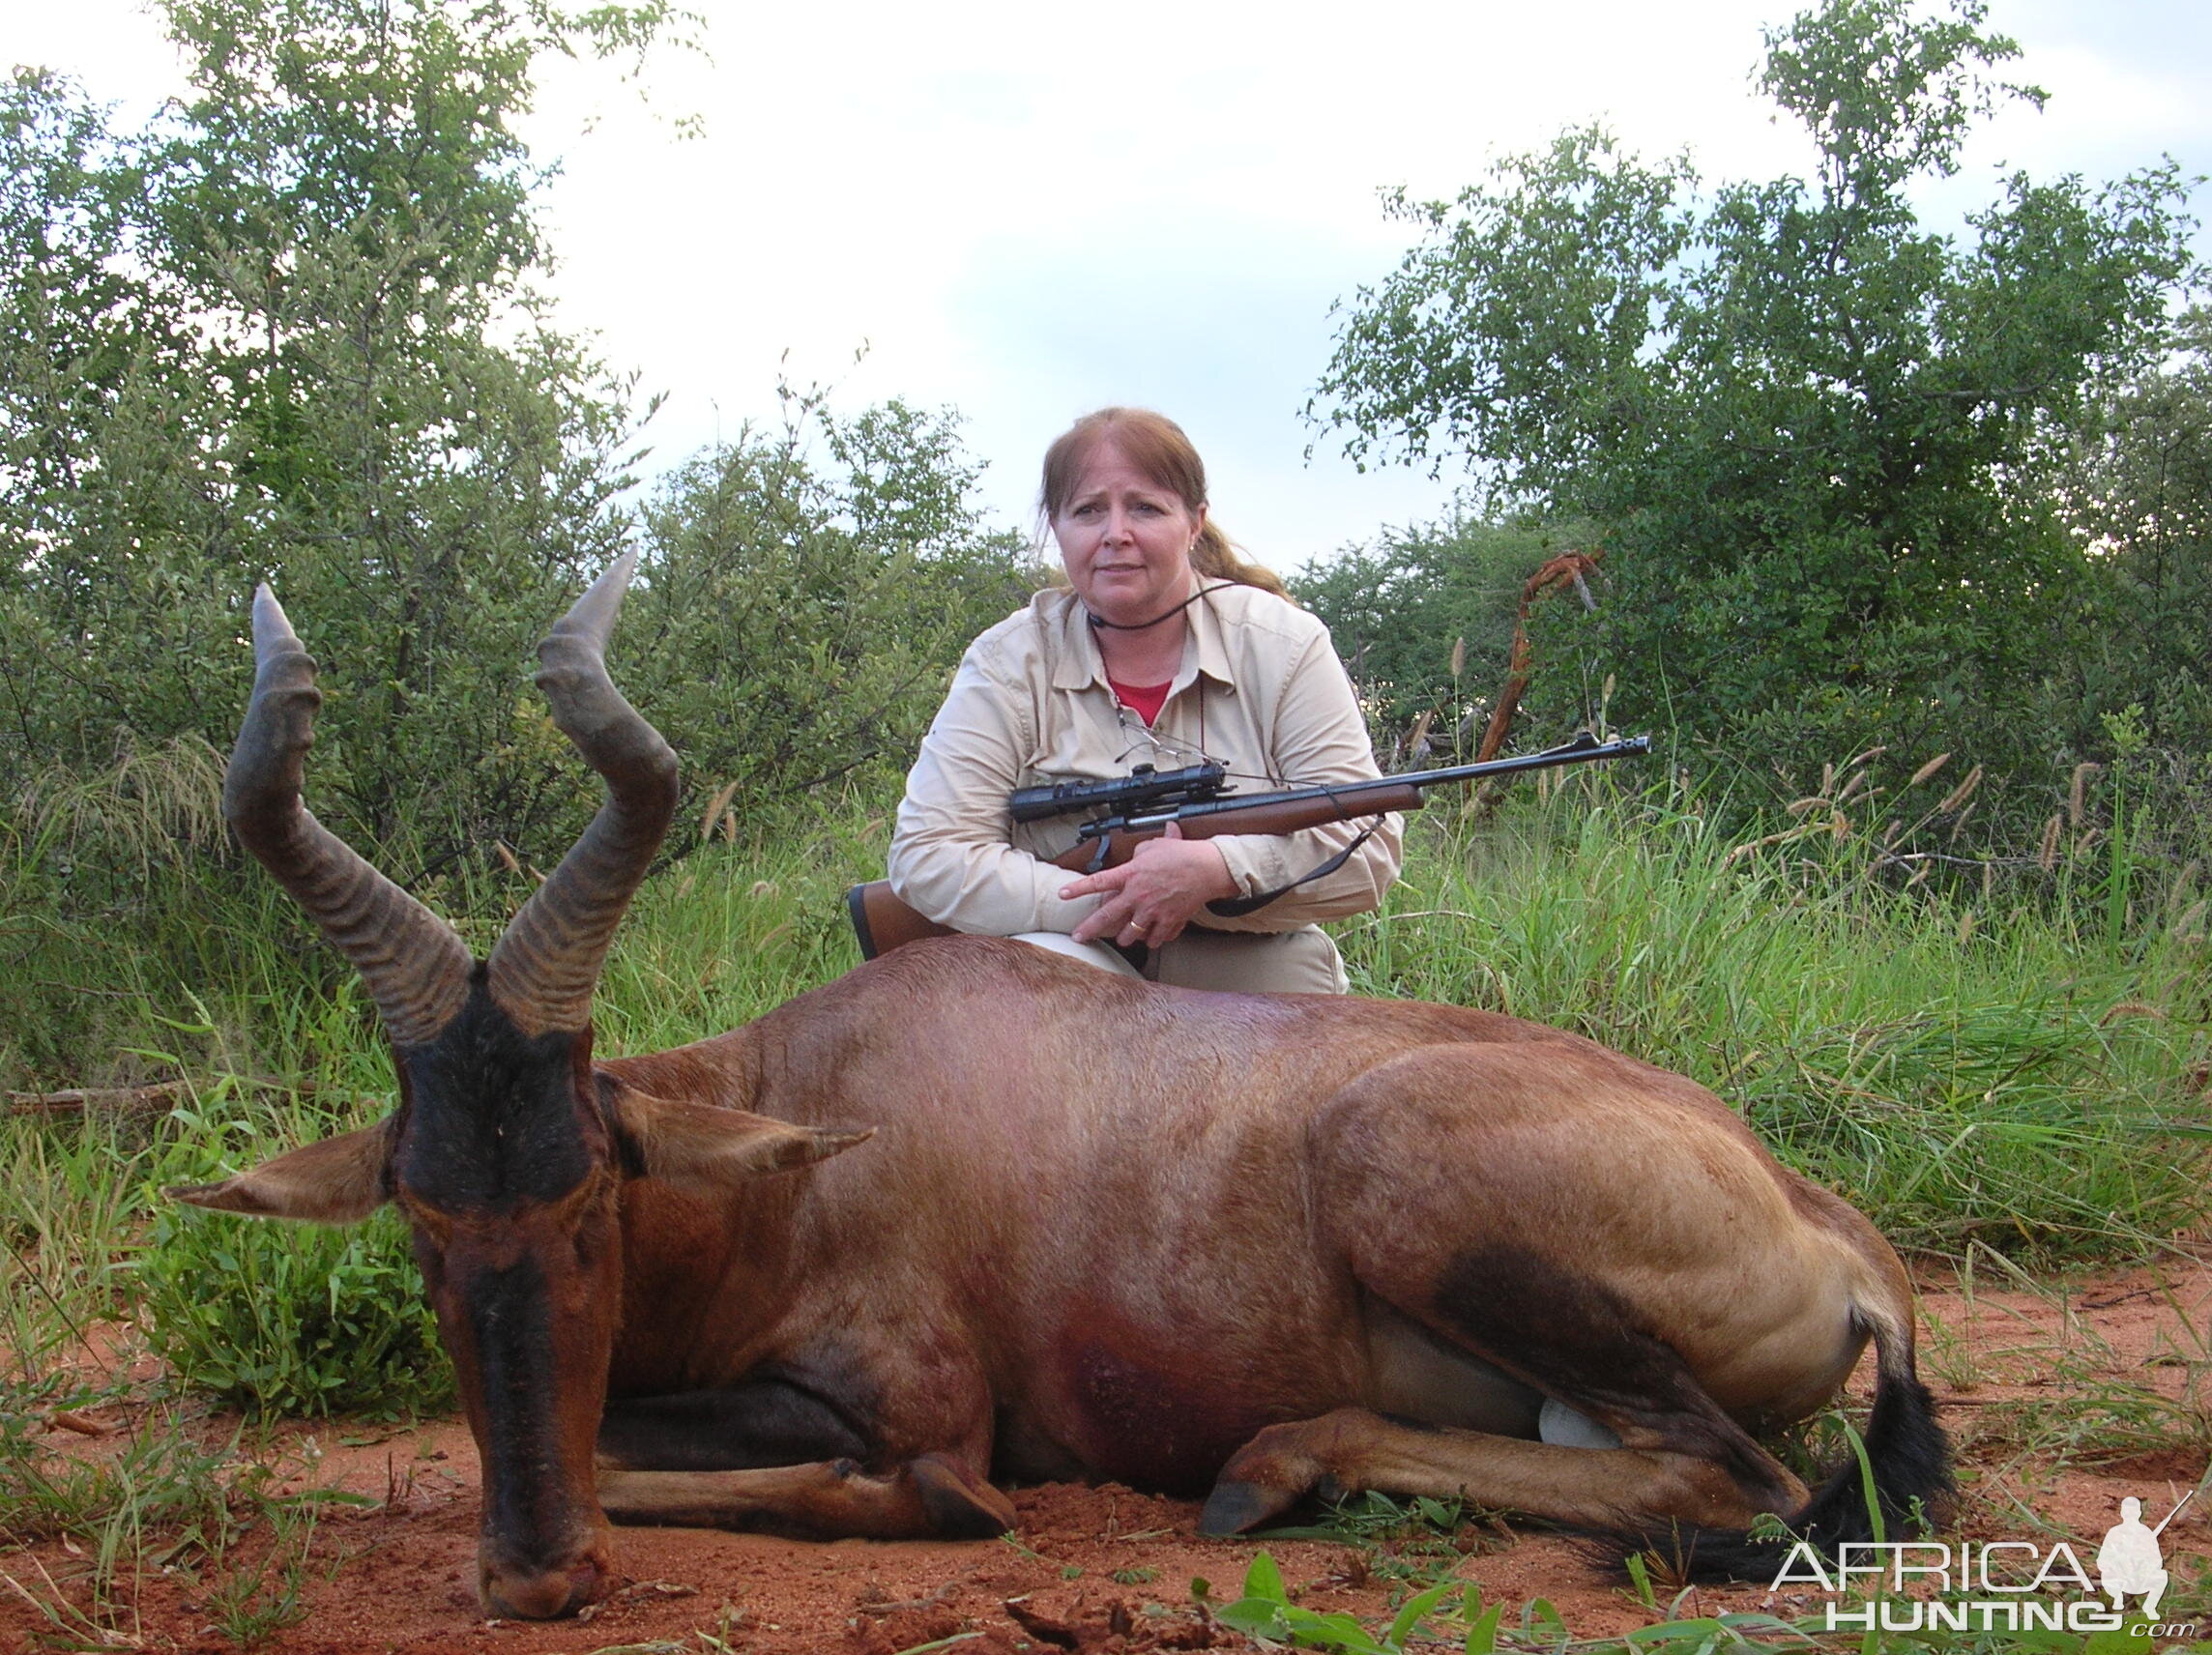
(506, 1172)
(503, 1152)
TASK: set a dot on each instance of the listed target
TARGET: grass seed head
(2076, 794)
(1965, 791)
(1929, 769)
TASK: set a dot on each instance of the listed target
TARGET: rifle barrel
(2174, 1513)
(1576, 752)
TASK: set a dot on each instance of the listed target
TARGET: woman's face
(1125, 540)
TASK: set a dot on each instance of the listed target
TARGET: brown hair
(1158, 448)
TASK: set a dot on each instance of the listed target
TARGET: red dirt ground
(2064, 1398)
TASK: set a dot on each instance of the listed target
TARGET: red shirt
(1143, 700)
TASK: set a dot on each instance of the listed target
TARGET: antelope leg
(929, 1497)
(1597, 1487)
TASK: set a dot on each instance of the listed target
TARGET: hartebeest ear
(339, 1181)
(694, 1143)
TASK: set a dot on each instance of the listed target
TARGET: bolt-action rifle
(1139, 806)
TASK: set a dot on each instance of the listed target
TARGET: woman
(1164, 649)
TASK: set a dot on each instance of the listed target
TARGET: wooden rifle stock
(883, 922)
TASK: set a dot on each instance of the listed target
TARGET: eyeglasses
(1144, 745)
(1144, 742)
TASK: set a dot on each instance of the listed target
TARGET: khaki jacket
(1260, 689)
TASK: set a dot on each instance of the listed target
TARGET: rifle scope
(1145, 785)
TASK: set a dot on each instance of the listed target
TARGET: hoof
(956, 1508)
(1232, 1508)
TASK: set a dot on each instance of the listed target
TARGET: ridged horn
(544, 968)
(414, 965)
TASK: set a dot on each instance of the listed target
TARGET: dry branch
(87, 1100)
(152, 1098)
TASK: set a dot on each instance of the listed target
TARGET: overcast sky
(1025, 212)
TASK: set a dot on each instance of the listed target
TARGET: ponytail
(1215, 558)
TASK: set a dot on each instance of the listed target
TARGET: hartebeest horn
(414, 965)
(543, 969)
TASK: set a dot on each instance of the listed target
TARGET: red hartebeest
(1259, 1245)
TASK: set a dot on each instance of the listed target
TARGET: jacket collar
(1078, 665)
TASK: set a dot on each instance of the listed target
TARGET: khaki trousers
(1241, 962)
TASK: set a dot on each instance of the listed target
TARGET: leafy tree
(293, 333)
(807, 592)
(290, 334)
(1820, 437)
(75, 320)
(2140, 495)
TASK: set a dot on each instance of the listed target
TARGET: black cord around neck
(1097, 624)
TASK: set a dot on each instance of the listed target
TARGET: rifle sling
(1234, 906)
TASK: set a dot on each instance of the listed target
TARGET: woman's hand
(1150, 897)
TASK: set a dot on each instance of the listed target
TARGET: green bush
(805, 595)
(290, 1319)
(1424, 621)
